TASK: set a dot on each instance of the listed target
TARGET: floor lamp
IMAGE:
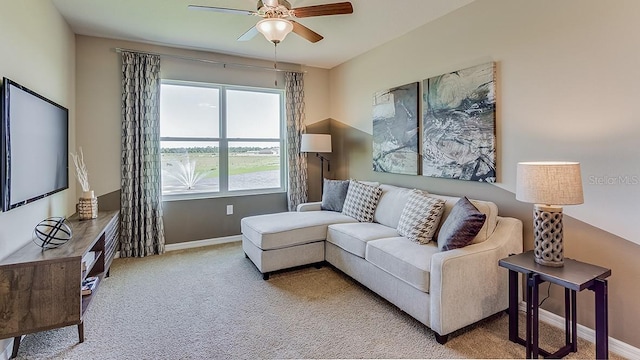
(317, 143)
(549, 185)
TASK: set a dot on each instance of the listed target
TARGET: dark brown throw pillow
(461, 226)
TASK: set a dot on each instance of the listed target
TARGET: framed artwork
(458, 124)
(395, 130)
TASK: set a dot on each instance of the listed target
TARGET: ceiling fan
(278, 18)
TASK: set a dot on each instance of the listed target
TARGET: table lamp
(549, 185)
(317, 143)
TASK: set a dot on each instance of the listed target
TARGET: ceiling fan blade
(321, 10)
(305, 32)
(249, 34)
(222, 10)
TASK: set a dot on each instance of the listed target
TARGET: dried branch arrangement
(81, 170)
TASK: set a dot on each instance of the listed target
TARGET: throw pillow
(333, 194)
(420, 217)
(361, 201)
(461, 226)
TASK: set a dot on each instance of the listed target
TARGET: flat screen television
(35, 146)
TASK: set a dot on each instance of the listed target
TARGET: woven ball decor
(52, 232)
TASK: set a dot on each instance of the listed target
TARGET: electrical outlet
(229, 209)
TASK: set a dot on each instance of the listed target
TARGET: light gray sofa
(444, 290)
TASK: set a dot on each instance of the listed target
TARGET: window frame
(223, 143)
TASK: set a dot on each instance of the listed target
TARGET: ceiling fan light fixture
(274, 29)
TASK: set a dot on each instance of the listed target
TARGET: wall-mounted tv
(35, 146)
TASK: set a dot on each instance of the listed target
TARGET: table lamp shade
(318, 143)
(550, 183)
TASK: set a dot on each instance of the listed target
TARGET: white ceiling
(169, 22)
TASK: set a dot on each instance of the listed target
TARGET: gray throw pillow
(461, 226)
(333, 194)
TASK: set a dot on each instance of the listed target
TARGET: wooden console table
(573, 276)
(41, 290)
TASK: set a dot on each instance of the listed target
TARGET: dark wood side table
(574, 276)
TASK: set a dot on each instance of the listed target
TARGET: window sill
(216, 195)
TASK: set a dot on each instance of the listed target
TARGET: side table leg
(81, 332)
(513, 306)
(535, 309)
(574, 321)
(16, 346)
(602, 318)
(527, 335)
(567, 316)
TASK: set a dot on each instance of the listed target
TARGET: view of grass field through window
(191, 150)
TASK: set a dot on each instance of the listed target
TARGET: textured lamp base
(547, 230)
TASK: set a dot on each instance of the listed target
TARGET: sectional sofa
(444, 290)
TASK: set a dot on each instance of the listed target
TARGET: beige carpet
(211, 303)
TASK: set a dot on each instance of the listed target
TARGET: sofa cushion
(354, 237)
(361, 201)
(404, 259)
(390, 205)
(333, 194)
(275, 231)
(486, 207)
(461, 227)
(420, 217)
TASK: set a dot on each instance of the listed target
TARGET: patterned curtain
(297, 189)
(141, 227)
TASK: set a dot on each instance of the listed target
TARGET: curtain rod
(214, 62)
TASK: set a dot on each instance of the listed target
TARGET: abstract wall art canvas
(395, 130)
(458, 122)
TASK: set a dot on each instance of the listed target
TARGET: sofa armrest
(312, 206)
(467, 284)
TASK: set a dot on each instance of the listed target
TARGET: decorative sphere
(52, 232)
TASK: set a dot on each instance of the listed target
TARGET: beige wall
(98, 130)
(38, 51)
(567, 90)
(316, 92)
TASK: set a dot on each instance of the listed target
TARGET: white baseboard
(8, 348)
(200, 243)
(615, 345)
(6, 354)
(195, 244)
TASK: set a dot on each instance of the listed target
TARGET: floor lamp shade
(317, 143)
(549, 185)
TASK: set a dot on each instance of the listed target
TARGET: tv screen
(34, 135)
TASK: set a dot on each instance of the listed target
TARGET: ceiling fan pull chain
(275, 62)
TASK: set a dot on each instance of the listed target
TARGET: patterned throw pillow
(361, 201)
(462, 225)
(420, 217)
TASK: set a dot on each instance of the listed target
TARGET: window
(219, 140)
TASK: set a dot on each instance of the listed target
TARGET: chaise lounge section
(285, 240)
(444, 290)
